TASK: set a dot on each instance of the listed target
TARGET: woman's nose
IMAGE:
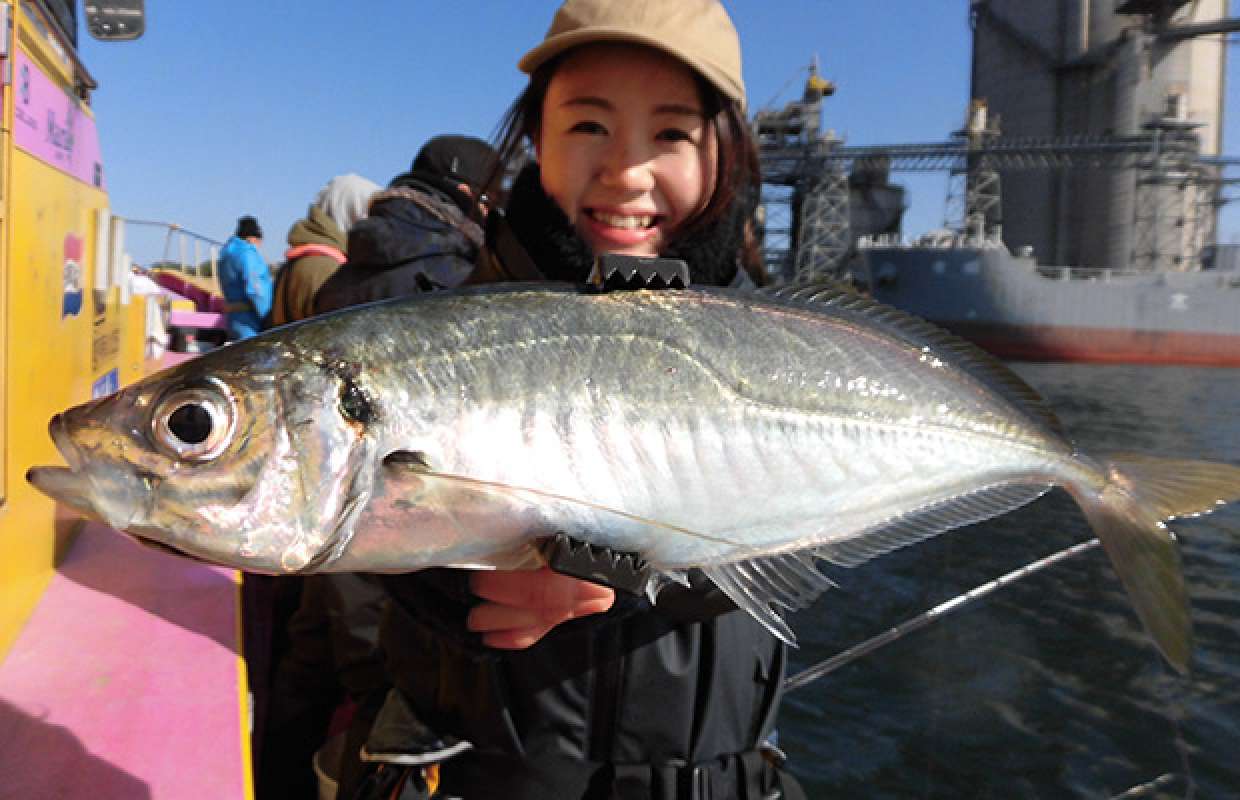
(628, 166)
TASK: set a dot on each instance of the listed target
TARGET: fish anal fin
(919, 524)
(761, 586)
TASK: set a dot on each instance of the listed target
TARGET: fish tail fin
(1128, 514)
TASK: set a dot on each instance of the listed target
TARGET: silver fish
(743, 433)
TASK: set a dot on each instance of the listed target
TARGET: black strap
(747, 776)
(512, 256)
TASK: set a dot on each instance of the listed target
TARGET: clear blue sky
(232, 107)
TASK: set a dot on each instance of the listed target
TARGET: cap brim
(550, 48)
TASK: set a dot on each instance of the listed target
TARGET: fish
(748, 434)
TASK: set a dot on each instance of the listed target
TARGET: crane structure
(805, 213)
(1118, 105)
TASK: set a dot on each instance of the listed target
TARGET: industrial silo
(1105, 68)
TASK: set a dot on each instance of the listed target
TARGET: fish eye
(194, 423)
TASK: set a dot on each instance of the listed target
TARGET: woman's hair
(738, 176)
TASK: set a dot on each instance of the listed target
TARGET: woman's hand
(523, 605)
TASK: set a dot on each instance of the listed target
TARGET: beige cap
(698, 32)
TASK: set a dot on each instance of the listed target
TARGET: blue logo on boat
(106, 385)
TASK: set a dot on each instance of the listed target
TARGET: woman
(534, 684)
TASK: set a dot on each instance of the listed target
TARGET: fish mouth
(64, 484)
(68, 449)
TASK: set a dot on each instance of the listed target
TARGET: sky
(237, 107)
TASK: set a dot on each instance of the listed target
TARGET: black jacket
(416, 238)
(670, 701)
(635, 697)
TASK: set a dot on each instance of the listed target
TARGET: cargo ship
(1019, 310)
(1150, 286)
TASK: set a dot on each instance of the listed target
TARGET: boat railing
(1105, 274)
(1102, 274)
(183, 250)
(934, 240)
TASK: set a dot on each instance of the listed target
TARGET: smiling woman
(639, 132)
(625, 148)
(635, 115)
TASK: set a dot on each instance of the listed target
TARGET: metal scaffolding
(806, 184)
(804, 194)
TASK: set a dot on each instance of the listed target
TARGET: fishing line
(925, 618)
(1145, 789)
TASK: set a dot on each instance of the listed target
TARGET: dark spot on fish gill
(354, 404)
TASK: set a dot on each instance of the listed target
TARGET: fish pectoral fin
(500, 525)
(763, 586)
(571, 516)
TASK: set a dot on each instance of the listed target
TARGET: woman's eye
(587, 126)
(675, 134)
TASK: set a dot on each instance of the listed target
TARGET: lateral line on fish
(724, 386)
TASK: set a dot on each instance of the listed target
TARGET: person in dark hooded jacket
(422, 232)
(317, 246)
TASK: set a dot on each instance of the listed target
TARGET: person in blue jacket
(245, 280)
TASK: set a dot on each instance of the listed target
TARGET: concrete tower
(1064, 68)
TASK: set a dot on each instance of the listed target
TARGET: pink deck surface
(125, 682)
(197, 319)
(172, 358)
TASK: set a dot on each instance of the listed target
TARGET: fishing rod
(925, 618)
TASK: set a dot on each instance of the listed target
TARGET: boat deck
(125, 682)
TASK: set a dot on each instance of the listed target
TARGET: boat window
(64, 12)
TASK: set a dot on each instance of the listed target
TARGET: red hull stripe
(1101, 345)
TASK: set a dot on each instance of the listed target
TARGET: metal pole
(925, 618)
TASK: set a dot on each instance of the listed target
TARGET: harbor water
(1047, 688)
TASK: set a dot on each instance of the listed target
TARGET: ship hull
(1101, 345)
(1018, 311)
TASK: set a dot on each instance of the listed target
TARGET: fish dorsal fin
(948, 347)
(763, 586)
(928, 521)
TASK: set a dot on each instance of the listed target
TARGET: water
(1047, 688)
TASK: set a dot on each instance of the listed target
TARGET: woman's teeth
(622, 221)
